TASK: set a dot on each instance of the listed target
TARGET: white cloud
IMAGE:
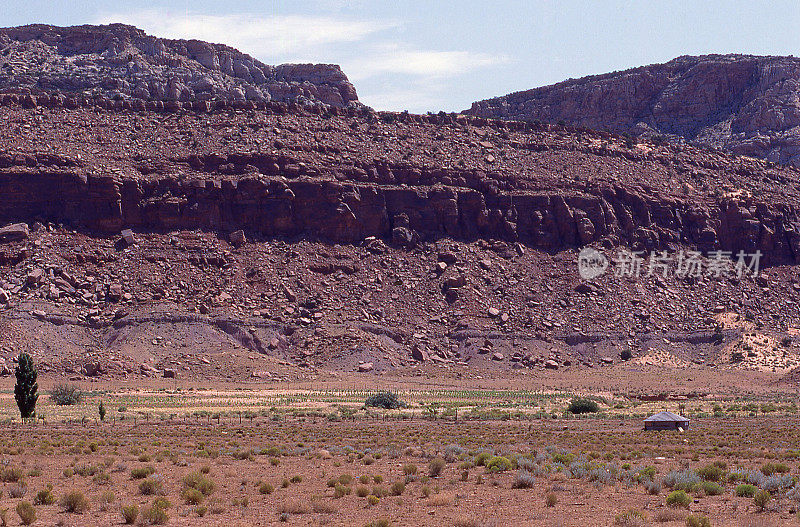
(398, 59)
(389, 73)
(265, 37)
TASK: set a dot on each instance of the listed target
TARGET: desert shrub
(768, 469)
(130, 513)
(265, 488)
(409, 469)
(651, 486)
(26, 513)
(200, 483)
(294, 506)
(678, 498)
(11, 474)
(362, 491)
(192, 496)
(387, 400)
(151, 486)
(156, 514)
(44, 497)
(583, 406)
(143, 472)
(711, 473)
(340, 490)
(17, 490)
(551, 499)
(451, 453)
(498, 464)
(75, 502)
(345, 479)
(746, 490)
(65, 394)
(681, 480)
(482, 458)
(668, 515)
(397, 488)
(695, 520)
(761, 499)
(711, 488)
(435, 467)
(322, 507)
(373, 500)
(524, 479)
(630, 518)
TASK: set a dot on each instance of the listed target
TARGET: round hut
(666, 421)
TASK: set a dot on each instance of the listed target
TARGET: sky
(435, 55)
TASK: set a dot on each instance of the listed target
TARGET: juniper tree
(102, 411)
(26, 387)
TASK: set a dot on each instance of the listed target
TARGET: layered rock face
(345, 176)
(748, 104)
(122, 62)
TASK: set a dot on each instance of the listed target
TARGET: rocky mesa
(747, 104)
(121, 62)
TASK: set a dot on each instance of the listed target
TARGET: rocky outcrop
(121, 62)
(271, 205)
(748, 104)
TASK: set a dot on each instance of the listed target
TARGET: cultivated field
(453, 457)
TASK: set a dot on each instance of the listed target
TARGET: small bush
(44, 497)
(192, 496)
(130, 513)
(387, 400)
(265, 488)
(583, 406)
(142, 472)
(774, 468)
(409, 469)
(362, 491)
(373, 500)
(397, 488)
(294, 506)
(200, 483)
(151, 486)
(761, 499)
(746, 490)
(695, 520)
(551, 499)
(482, 458)
(523, 480)
(498, 464)
(435, 467)
(340, 490)
(631, 518)
(678, 498)
(11, 475)
(26, 513)
(65, 395)
(711, 488)
(156, 514)
(75, 502)
(711, 473)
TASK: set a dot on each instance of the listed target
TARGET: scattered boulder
(365, 367)
(238, 238)
(14, 233)
(169, 373)
(127, 238)
(419, 352)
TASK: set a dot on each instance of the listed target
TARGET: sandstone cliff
(748, 104)
(122, 62)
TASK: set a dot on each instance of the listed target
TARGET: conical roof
(666, 416)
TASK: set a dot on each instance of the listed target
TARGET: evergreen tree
(26, 387)
(102, 411)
